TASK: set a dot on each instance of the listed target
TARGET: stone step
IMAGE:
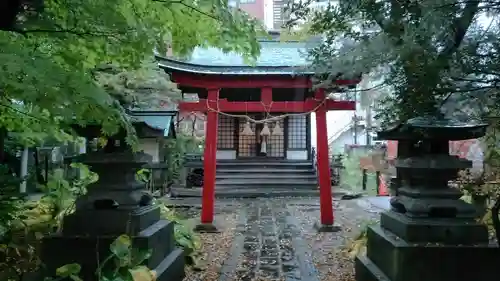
(266, 176)
(270, 182)
(264, 186)
(250, 193)
(262, 160)
(263, 177)
(172, 267)
(299, 186)
(366, 270)
(253, 193)
(263, 170)
(274, 165)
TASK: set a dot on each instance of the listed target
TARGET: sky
(335, 121)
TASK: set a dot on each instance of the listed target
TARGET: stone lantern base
(391, 258)
(429, 234)
(88, 250)
(116, 204)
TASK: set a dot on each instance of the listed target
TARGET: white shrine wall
(296, 139)
(226, 138)
(150, 146)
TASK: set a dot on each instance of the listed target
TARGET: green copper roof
(157, 120)
(272, 54)
(275, 58)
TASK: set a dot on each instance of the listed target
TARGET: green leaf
(51, 76)
(77, 278)
(142, 273)
(186, 244)
(121, 247)
(196, 263)
(68, 270)
(140, 256)
(196, 242)
(124, 274)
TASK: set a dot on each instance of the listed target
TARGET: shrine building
(258, 114)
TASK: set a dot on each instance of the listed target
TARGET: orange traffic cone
(382, 186)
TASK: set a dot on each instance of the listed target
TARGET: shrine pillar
(325, 189)
(209, 164)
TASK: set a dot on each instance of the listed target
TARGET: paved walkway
(266, 244)
(275, 238)
(375, 203)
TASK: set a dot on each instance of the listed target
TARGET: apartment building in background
(270, 12)
(255, 8)
(320, 5)
(278, 12)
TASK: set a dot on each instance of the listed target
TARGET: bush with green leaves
(10, 200)
(351, 176)
(185, 236)
(176, 149)
(357, 246)
(124, 263)
(25, 222)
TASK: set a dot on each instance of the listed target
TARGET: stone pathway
(274, 238)
(264, 247)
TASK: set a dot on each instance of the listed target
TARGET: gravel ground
(325, 250)
(216, 249)
(329, 257)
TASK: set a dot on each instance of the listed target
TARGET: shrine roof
(160, 121)
(279, 58)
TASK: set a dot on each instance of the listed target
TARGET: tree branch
(378, 18)
(180, 2)
(394, 28)
(79, 33)
(485, 5)
(459, 26)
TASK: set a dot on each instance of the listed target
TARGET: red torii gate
(212, 105)
(211, 71)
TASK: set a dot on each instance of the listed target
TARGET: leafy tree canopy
(50, 50)
(145, 88)
(435, 56)
(425, 50)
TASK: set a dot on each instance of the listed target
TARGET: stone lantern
(429, 233)
(116, 204)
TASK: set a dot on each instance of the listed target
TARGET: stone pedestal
(390, 258)
(116, 204)
(394, 184)
(326, 228)
(429, 234)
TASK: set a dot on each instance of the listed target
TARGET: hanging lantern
(277, 131)
(265, 130)
(247, 130)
